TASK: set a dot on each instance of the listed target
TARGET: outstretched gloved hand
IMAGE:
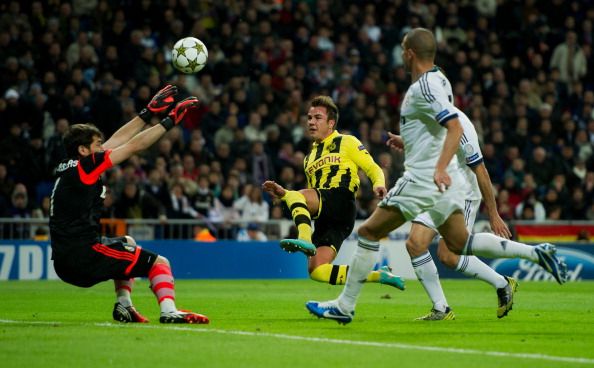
(160, 103)
(180, 112)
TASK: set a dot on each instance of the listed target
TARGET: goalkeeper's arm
(158, 105)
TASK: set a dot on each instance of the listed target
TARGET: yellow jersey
(334, 163)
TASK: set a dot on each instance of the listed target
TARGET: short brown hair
(79, 135)
(328, 103)
(422, 42)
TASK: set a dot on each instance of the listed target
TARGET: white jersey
(469, 155)
(427, 105)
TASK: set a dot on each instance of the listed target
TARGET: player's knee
(366, 232)
(162, 260)
(414, 247)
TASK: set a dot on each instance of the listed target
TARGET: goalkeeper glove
(180, 112)
(160, 103)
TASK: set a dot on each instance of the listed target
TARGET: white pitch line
(394, 345)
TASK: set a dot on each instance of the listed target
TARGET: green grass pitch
(263, 323)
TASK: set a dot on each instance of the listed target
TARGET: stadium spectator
(179, 206)
(251, 232)
(224, 214)
(541, 168)
(569, 59)
(504, 208)
(261, 164)
(135, 203)
(251, 205)
(577, 208)
(20, 208)
(54, 149)
(530, 209)
(203, 200)
(156, 186)
(6, 185)
(190, 171)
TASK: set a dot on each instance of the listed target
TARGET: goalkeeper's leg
(162, 285)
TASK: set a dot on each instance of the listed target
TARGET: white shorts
(413, 196)
(471, 208)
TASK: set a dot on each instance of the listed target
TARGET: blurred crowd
(521, 69)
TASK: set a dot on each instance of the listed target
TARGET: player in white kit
(432, 183)
(423, 231)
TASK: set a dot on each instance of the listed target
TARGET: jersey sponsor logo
(326, 160)
(66, 165)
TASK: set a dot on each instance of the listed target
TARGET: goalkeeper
(331, 169)
(81, 256)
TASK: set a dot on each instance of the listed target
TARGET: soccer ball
(189, 55)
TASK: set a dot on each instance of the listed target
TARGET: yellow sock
(332, 274)
(336, 274)
(373, 276)
(300, 213)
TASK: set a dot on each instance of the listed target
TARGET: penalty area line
(392, 345)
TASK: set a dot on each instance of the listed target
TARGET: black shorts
(336, 217)
(107, 259)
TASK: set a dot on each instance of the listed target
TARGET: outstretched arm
(139, 142)
(498, 226)
(125, 133)
(146, 138)
(159, 104)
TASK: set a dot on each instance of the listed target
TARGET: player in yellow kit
(331, 169)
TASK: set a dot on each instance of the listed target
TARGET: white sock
(124, 298)
(167, 305)
(427, 274)
(122, 289)
(362, 263)
(493, 246)
(473, 267)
